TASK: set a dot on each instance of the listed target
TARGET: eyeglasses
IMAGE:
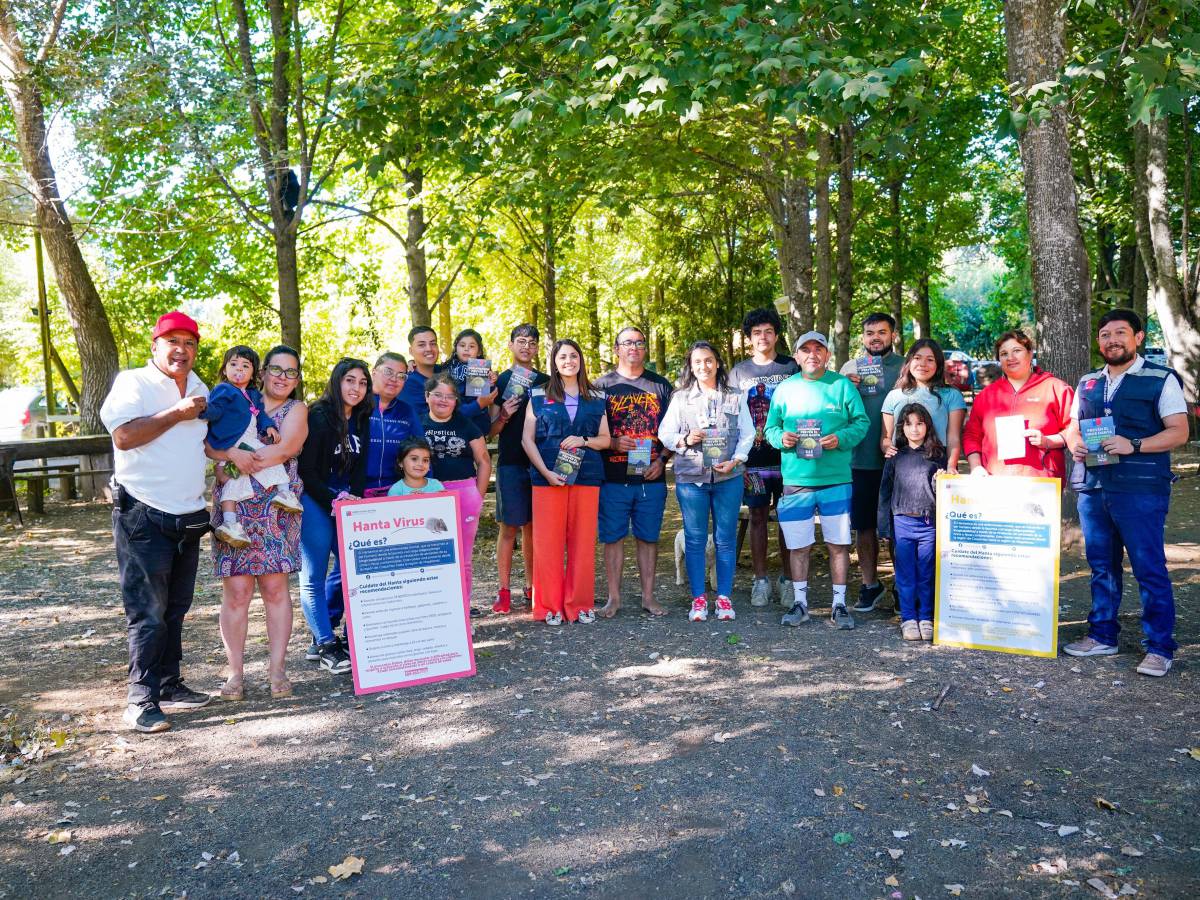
(525, 342)
(392, 374)
(281, 372)
(632, 345)
(449, 398)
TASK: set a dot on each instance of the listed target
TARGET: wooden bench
(37, 479)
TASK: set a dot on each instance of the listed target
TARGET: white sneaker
(234, 535)
(553, 618)
(287, 501)
(783, 590)
(760, 592)
(699, 612)
(587, 617)
(725, 611)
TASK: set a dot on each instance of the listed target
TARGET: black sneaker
(841, 618)
(146, 719)
(868, 597)
(180, 696)
(334, 657)
(312, 654)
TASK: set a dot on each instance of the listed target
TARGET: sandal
(233, 691)
(280, 689)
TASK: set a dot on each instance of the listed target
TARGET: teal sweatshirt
(834, 400)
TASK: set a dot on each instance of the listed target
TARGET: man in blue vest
(1123, 505)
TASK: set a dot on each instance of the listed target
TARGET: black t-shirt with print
(508, 442)
(451, 443)
(636, 407)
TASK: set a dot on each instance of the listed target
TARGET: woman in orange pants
(565, 428)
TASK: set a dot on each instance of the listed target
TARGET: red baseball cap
(175, 321)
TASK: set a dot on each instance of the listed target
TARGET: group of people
(582, 461)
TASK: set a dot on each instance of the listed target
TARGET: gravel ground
(632, 758)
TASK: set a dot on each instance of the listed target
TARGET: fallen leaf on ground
(1131, 851)
(351, 865)
(159, 797)
(895, 854)
(891, 881)
(59, 837)
(1065, 830)
(67, 850)
(954, 889)
(899, 835)
(838, 790)
(978, 772)
(788, 887)
(1100, 885)
(1101, 803)
(818, 792)
(1194, 753)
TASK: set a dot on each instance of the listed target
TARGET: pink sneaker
(699, 611)
(725, 609)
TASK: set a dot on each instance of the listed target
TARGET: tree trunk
(89, 321)
(824, 316)
(924, 319)
(897, 288)
(287, 268)
(789, 206)
(549, 276)
(1058, 257)
(1178, 323)
(845, 232)
(445, 327)
(593, 305)
(414, 248)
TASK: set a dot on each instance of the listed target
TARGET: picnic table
(80, 464)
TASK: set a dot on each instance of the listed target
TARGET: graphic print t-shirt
(451, 443)
(757, 383)
(635, 408)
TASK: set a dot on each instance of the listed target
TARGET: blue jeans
(318, 535)
(333, 592)
(722, 501)
(914, 555)
(1114, 524)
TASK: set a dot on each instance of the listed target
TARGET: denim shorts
(639, 506)
(514, 496)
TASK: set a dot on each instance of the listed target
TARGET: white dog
(710, 559)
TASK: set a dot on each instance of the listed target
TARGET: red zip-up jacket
(1043, 401)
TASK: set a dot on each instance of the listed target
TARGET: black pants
(157, 553)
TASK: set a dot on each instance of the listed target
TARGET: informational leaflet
(519, 382)
(403, 581)
(809, 433)
(715, 447)
(568, 463)
(870, 374)
(1093, 432)
(997, 564)
(478, 378)
(1010, 437)
(637, 460)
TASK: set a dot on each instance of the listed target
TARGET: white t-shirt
(1171, 401)
(168, 472)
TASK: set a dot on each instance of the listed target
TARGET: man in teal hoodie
(816, 418)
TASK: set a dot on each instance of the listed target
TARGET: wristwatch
(1137, 444)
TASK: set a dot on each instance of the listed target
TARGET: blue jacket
(413, 393)
(1134, 409)
(388, 430)
(553, 424)
(228, 414)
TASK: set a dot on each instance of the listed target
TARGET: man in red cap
(159, 514)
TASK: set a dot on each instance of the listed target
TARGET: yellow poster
(997, 563)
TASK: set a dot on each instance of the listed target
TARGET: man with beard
(880, 368)
(1123, 507)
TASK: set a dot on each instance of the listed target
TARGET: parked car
(958, 370)
(23, 413)
(1155, 355)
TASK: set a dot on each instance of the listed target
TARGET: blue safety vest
(553, 424)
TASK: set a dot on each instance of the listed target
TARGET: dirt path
(634, 758)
